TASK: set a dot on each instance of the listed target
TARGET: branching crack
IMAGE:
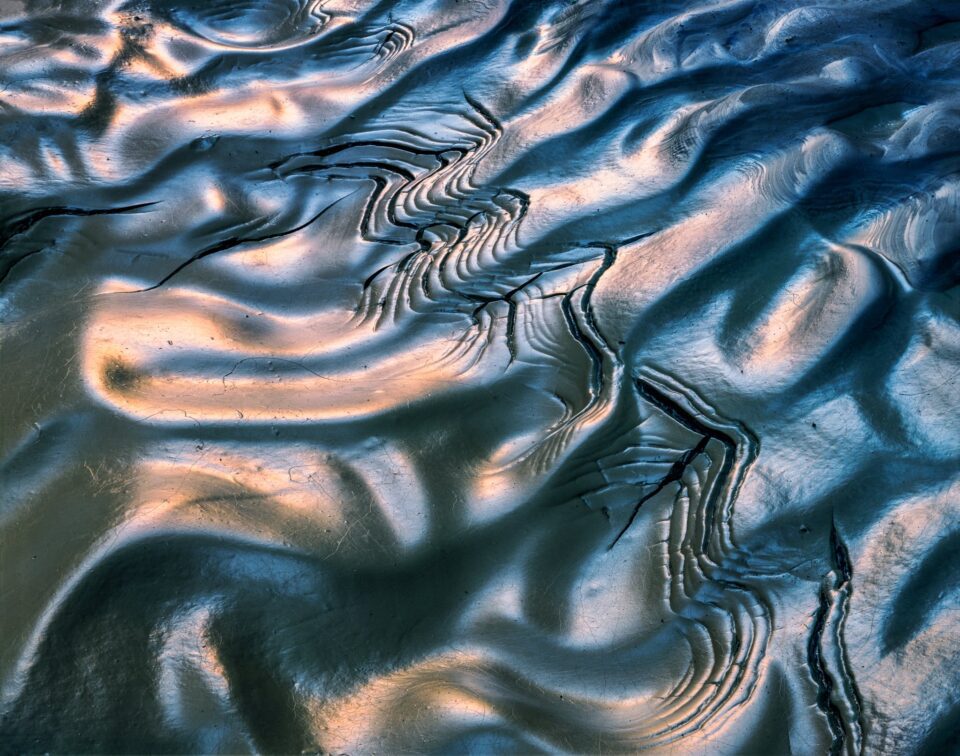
(674, 475)
(673, 410)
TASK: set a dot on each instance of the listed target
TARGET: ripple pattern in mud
(436, 376)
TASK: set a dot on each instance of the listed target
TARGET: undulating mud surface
(446, 376)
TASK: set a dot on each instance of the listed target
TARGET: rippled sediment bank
(386, 377)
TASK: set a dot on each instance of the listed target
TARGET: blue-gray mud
(450, 376)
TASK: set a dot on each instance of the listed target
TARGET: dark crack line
(840, 564)
(566, 307)
(23, 222)
(649, 392)
(6, 268)
(674, 475)
(236, 242)
(822, 677)
(485, 301)
(271, 359)
(496, 130)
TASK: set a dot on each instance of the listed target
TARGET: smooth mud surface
(440, 376)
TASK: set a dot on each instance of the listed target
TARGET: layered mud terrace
(387, 377)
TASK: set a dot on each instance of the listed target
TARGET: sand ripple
(436, 376)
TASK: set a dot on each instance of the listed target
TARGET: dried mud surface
(440, 376)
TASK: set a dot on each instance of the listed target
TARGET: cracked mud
(479, 376)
